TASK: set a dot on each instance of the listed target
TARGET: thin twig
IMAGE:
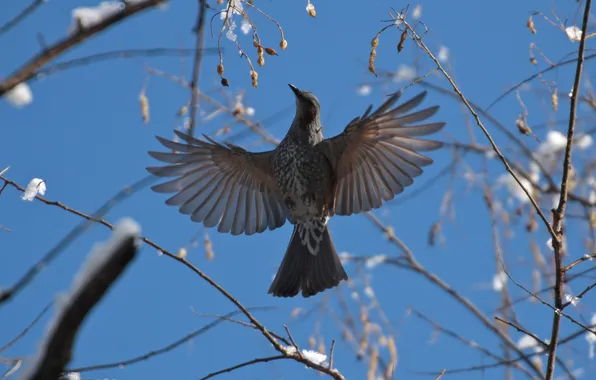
(116, 54)
(160, 351)
(250, 362)
(331, 351)
(292, 340)
(580, 260)
(523, 331)
(27, 329)
(21, 16)
(194, 84)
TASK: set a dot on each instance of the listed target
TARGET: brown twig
(331, 352)
(579, 261)
(194, 84)
(293, 341)
(523, 331)
(559, 213)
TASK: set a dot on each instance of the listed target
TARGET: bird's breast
(303, 177)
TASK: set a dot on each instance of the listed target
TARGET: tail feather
(301, 270)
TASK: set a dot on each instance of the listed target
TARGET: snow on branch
(99, 271)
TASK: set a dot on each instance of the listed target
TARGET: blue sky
(84, 136)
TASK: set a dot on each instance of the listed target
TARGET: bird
(305, 180)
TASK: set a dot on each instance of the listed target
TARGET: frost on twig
(87, 17)
(312, 356)
(35, 186)
(99, 271)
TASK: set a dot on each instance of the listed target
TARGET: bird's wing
(376, 156)
(223, 186)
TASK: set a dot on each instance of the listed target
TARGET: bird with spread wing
(305, 180)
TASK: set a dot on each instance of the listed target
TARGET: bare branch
(98, 274)
(30, 68)
(559, 213)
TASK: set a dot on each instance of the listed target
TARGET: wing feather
(377, 155)
(220, 185)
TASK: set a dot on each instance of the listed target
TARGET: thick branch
(92, 282)
(559, 213)
(29, 69)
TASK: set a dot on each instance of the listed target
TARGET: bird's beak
(295, 89)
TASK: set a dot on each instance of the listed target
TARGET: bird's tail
(302, 270)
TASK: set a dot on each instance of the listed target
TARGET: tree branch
(91, 283)
(30, 68)
(559, 213)
(194, 84)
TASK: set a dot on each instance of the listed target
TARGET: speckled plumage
(305, 180)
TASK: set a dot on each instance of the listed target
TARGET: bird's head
(307, 106)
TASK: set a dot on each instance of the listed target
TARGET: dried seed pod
(402, 41)
(530, 25)
(522, 126)
(310, 8)
(209, 255)
(533, 61)
(371, 61)
(296, 312)
(554, 98)
(220, 69)
(261, 61)
(283, 44)
(375, 42)
(144, 106)
(256, 43)
(224, 82)
(270, 51)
